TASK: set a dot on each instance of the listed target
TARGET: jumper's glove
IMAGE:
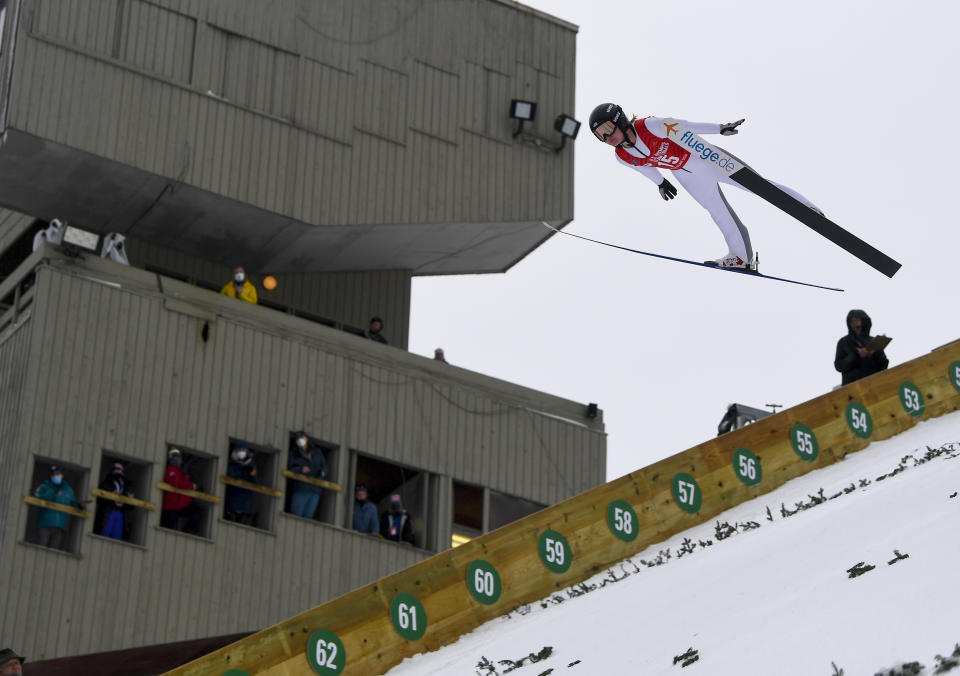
(667, 191)
(730, 128)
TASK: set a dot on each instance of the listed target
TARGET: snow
(775, 596)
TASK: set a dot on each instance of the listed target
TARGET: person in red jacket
(179, 512)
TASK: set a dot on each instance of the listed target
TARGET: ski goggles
(605, 130)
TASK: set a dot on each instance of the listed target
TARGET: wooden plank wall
(283, 104)
(361, 620)
(117, 365)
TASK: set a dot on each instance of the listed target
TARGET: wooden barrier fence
(432, 603)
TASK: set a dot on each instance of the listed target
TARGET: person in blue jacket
(306, 459)
(364, 513)
(51, 524)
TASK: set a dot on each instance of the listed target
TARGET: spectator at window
(239, 501)
(854, 360)
(395, 522)
(373, 333)
(240, 287)
(305, 459)
(114, 522)
(439, 356)
(51, 524)
(179, 512)
(114, 249)
(53, 233)
(364, 512)
(10, 663)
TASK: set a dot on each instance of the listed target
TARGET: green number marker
(858, 419)
(912, 399)
(746, 465)
(555, 551)
(622, 520)
(408, 616)
(955, 375)
(325, 652)
(235, 672)
(483, 581)
(804, 442)
(687, 493)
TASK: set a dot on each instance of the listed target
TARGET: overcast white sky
(853, 104)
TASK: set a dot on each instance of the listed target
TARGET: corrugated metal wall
(336, 112)
(351, 298)
(8, 21)
(14, 365)
(120, 366)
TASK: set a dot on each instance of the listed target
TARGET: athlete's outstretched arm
(658, 126)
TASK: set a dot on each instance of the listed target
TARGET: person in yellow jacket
(240, 287)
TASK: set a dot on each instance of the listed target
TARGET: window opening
(467, 513)
(61, 484)
(194, 472)
(120, 514)
(398, 495)
(310, 472)
(250, 478)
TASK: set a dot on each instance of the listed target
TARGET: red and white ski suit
(653, 151)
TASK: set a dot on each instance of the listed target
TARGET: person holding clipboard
(858, 353)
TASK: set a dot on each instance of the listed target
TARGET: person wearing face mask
(305, 459)
(113, 519)
(239, 501)
(51, 524)
(364, 512)
(395, 522)
(179, 512)
(240, 287)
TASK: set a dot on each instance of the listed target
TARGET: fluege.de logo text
(706, 153)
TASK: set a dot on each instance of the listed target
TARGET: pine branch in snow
(898, 557)
(687, 658)
(859, 569)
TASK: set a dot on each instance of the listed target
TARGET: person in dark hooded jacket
(239, 501)
(853, 360)
(395, 523)
(114, 523)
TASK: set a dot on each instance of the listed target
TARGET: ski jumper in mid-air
(645, 145)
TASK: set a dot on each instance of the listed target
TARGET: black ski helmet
(609, 112)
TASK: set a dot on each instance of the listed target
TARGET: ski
(734, 168)
(845, 239)
(750, 273)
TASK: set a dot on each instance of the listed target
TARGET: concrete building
(341, 147)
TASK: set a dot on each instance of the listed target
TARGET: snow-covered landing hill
(851, 569)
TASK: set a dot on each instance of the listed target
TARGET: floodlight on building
(568, 128)
(524, 111)
(75, 240)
